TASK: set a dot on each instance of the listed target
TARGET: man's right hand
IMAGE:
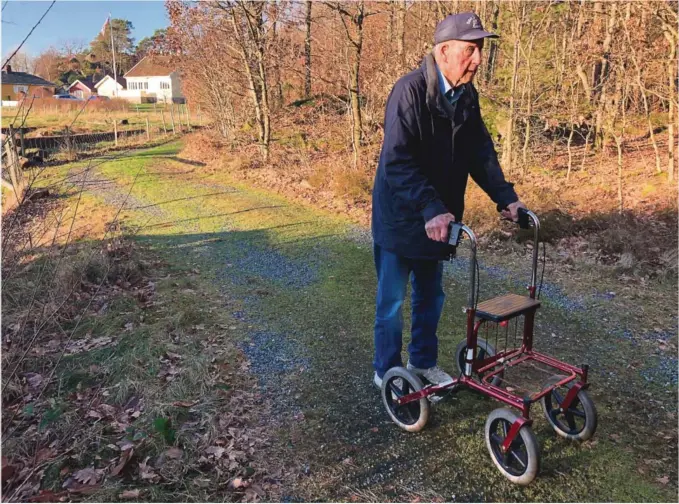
(437, 228)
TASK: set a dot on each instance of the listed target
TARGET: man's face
(460, 59)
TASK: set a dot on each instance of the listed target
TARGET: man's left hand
(512, 211)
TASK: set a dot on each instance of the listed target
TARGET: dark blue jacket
(430, 148)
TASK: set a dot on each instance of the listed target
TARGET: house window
(164, 85)
(139, 85)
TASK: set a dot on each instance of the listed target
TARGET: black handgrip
(454, 233)
(524, 218)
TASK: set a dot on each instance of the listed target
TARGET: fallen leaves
(173, 453)
(88, 476)
(147, 473)
(664, 480)
(184, 404)
(84, 481)
(169, 370)
(8, 470)
(130, 494)
(124, 459)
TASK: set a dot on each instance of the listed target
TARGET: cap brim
(478, 34)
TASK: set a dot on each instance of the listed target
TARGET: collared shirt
(452, 95)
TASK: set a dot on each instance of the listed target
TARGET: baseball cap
(464, 26)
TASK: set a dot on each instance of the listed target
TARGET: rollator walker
(509, 438)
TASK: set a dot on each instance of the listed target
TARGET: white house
(108, 87)
(153, 77)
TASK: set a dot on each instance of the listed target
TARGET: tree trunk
(258, 88)
(492, 51)
(509, 139)
(529, 108)
(400, 36)
(671, 112)
(570, 151)
(644, 99)
(601, 74)
(354, 91)
(307, 52)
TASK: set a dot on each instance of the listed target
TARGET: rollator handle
(524, 217)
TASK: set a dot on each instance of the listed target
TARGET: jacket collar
(436, 102)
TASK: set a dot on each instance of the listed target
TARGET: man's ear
(445, 51)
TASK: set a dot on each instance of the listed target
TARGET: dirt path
(305, 283)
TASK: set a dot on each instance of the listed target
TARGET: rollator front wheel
(483, 351)
(520, 463)
(399, 382)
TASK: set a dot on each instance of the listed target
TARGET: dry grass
(115, 377)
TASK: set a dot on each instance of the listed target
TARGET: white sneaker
(398, 383)
(377, 381)
(434, 375)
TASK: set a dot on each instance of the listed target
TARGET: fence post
(162, 114)
(69, 142)
(188, 116)
(15, 174)
(148, 134)
(174, 131)
(23, 144)
(115, 132)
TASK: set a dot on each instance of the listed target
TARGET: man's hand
(512, 211)
(437, 228)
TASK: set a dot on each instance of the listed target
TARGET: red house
(82, 88)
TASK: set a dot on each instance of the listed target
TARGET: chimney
(8, 68)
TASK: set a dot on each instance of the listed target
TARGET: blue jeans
(393, 272)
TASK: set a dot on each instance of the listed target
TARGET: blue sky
(74, 19)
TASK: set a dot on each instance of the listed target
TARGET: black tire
(483, 350)
(579, 423)
(521, 463)
(397, 382)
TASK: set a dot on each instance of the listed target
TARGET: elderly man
(434, 138)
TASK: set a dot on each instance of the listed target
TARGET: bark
(307, 52)
(601, 75)
(671, 111)
(644, 98)
(509, 139)
(400, 36)
(492, 50)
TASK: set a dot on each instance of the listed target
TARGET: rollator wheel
(483, 351)
(579, 422)
(521, 462)
(398, 382)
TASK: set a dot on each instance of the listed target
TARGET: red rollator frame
(509, 437)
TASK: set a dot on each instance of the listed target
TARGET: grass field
(269, 304)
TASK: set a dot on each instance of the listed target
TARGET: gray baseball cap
(464, 26)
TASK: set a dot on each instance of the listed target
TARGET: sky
(73, 19)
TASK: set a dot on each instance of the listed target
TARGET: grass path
(304, 282)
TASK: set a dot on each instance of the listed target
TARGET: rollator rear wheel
(399, 382)
(521, 462)
(579, 422)
(483, 351)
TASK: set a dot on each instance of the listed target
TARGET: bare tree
(307, 51)
(353, 21)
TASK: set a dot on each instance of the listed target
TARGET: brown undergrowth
(581, 216)
(121, 375)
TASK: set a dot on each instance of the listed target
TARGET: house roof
(151, 66)
(119, 80)
(87, 82)
(25, 79)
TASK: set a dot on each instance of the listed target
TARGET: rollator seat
(505, 307)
